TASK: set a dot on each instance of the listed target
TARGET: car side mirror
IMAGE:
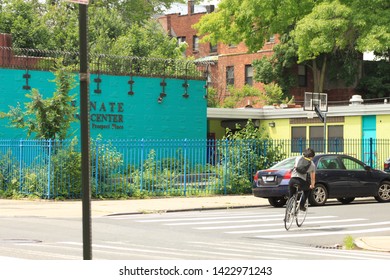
(367, 168)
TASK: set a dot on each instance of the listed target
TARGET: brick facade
(180, 25)
(8, 59)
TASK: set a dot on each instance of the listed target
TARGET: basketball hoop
(315, 99)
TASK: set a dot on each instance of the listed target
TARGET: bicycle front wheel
(301, 215)
(289, 215)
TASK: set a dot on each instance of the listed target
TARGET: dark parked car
(338, 176)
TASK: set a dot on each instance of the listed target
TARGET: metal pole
(325, 133)
(84, 121)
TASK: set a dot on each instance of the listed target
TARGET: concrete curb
(373, 243)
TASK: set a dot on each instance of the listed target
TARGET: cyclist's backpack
(303, 165)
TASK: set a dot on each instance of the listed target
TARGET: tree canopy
(114, 27)
(315, 33)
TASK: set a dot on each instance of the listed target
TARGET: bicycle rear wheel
(301, 215)
(289, 215)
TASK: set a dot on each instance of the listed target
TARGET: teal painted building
(122, 107)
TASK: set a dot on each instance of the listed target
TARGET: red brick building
(233, 64)
(9, 59)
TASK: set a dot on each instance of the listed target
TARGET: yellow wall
(353, 127)
(282, 129)
(383, 127)
(214, 126)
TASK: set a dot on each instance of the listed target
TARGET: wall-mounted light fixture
(163, 84)
(161, 97)
(185, 86)
(271, 124)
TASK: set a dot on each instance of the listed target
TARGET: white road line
(300, 251)
(303, 228)
(157, 252)
(173, 215)
(278, 224)
(343, 232)
(206, 218)
(280, 218)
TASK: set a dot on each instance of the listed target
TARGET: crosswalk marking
(270, 225)
(279, 224)
(308, 228)
(274, 250)
(205, 218)
(341, 232)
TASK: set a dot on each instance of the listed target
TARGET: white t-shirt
(299, 175)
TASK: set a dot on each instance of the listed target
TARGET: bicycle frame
(292, 210)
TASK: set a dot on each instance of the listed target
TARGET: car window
(352, 165)
(329, 163)
(284, 164)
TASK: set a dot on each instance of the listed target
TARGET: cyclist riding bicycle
(303, 175)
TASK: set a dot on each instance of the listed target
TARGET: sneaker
(302, 208)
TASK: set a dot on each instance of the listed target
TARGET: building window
(213, 48)
(195, 43)
(316, 138)
(249, 75)
(302, 76)
(336, 138)
(181, 40)
(208, 79)
(229, 76)
(298, 139)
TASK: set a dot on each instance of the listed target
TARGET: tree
(47, 118)
(318, 34)
(112, 25)
(147, 40)
(236, 95)
(22, 19)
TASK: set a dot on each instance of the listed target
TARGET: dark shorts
(304, 185)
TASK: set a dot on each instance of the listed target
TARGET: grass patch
(349, 243)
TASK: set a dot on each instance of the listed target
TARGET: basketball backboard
(314, 98)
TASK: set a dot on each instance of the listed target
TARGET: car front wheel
(318, 195)
(277, 201)
(383, 192)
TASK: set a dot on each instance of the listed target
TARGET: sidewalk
(73, 209)
(99, 208)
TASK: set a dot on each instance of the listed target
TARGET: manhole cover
(13, 240)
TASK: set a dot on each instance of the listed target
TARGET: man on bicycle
(303, 176)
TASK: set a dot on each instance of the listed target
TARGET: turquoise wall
(114, 113)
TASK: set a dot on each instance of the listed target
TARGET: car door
(362, 179)
(331, 171)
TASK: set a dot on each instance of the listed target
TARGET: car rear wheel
(318, 195)
(383, 192)
(277, 201)
(346, 200)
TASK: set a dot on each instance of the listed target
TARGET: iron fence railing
(51, 169)
(33, 59)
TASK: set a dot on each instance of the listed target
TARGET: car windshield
(284, 164)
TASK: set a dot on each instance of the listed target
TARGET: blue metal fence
(51, 169)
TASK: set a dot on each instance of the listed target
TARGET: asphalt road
(231, 234)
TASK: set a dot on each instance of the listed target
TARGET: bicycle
(292, 209)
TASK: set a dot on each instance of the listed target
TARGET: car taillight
(287, 175)
(256, 177)
(386, 166)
